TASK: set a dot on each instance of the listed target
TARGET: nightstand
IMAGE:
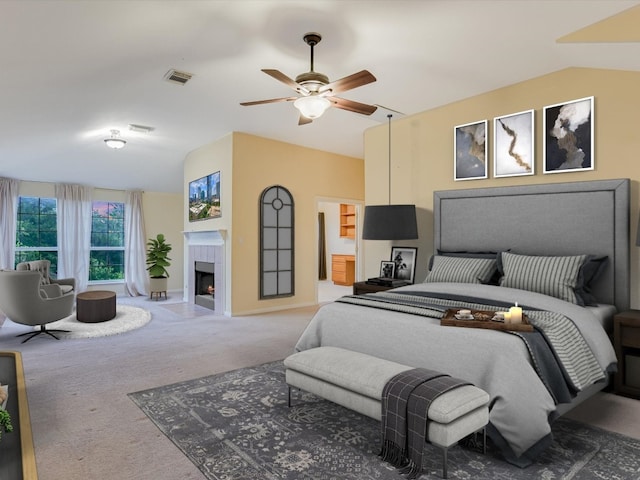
(363, 287)
(626, 340)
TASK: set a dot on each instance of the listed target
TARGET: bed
(561, 233)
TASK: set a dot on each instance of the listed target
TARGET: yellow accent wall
(248, 165)
(422, 146)
(163, 214)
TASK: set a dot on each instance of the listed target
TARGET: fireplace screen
(205, 290)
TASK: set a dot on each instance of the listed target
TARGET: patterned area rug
(237, 426)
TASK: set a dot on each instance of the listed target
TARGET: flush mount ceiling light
(115, 141)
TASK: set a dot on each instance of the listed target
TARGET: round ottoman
(95, 306)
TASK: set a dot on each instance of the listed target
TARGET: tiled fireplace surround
(206, 247)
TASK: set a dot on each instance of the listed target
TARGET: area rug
(237, 426)
(127, 318)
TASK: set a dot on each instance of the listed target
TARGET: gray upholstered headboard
(550, 219)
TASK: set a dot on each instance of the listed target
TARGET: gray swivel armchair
(24, 300)
(44, 267)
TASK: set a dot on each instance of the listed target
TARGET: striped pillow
(461, 270)
(554, 276)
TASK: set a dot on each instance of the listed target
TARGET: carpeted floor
(86, 427)
(237, 426)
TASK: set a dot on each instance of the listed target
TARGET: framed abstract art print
(470, 151)
(568, 136)
(513, 146)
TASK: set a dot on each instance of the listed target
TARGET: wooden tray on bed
(450, 320)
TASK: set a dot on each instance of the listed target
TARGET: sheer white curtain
(136, 279)
(8, 218)
(74, 232)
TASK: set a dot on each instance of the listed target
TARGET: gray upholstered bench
(355, 380)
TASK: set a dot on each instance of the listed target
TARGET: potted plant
(5, 418)
(157, 262)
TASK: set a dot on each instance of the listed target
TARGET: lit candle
(516, 314)
(507, 317)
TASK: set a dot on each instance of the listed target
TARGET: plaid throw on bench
(405, 403)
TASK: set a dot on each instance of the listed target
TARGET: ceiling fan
(315, 93)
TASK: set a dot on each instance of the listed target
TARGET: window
(276, 243)
(106, 260)
(36, 231)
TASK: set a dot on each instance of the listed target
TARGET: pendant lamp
(390, 222)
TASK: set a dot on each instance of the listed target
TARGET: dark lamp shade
(390, 222)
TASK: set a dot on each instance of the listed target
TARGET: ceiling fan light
(312, 106)
(114, 141)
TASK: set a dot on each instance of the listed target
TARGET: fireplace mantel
(205, 237)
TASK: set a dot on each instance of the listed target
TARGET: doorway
(339, 231)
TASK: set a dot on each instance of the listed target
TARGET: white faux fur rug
(127, 318)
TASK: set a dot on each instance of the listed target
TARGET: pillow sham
(590, 272)
(489, 255)
(557, 276)
(454, 269)
(495, 278)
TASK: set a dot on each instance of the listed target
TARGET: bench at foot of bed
(356, 381)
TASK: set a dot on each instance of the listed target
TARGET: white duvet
(497, 362)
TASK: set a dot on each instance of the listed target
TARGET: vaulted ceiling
(72, 70)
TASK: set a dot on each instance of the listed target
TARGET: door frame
(358, 240)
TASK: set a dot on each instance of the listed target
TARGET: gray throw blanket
(405, 403)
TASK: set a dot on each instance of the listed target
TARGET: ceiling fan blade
(304, 120)
(272, 100)
(347, 83)
(352, 106)
(278, 75)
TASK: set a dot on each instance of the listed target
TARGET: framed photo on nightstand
(404, 259)
(387, 269)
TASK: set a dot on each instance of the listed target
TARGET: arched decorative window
(276, 243)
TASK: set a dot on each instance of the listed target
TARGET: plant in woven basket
(5, 422)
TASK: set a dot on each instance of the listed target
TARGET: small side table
(626, 340)
(95, 306)
(360, 288)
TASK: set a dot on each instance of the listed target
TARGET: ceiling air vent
(175, 76)
(140, 128)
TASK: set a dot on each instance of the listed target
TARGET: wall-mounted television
(204, 198)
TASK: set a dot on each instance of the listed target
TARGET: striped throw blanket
(405, 404)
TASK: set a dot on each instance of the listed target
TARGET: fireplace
(205, 265)
(204, 290)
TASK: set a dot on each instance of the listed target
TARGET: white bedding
(604, 314)
(494, 361)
